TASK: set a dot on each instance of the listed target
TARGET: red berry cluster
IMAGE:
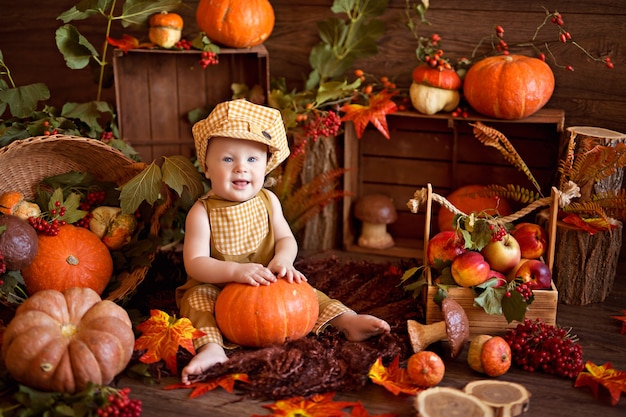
(537, 346)
(47, 131)
(49, 228)
(525, 291)
(208, 58)
(91, 200)
(183, 44)
(120, 405)
(324, 124)
(497, 233)
(3, 265)
(106, 136)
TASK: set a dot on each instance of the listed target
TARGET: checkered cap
(241, 119)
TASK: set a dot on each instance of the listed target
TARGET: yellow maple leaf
(595, 375)
(162, 334)
(393, 378)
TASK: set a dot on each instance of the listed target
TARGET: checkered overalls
(240, 232)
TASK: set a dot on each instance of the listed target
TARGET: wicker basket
(25, 163)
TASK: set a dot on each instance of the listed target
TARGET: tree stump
(322, 231)
(585, 265)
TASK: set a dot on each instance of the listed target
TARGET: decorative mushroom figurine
(376, 211)
(454, 327)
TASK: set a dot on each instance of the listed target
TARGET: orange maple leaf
(316, 406)
(613, 380)
(623, 320)
(127, 43)
(200, 388)
(380, 105)
(162, 335)
(393, 378)
(592, 226)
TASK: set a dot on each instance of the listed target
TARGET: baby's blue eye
(252, 159)
(228, 159)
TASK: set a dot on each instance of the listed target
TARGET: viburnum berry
(208, 58)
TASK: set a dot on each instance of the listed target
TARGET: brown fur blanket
(318, 364)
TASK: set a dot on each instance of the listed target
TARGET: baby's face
(236, 167)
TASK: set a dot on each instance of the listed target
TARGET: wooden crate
(441, 150)
(544, 306)
(156, 89)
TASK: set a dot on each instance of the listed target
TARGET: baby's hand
(287, 272)
(254, 274)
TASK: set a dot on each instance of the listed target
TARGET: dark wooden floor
(599, 335)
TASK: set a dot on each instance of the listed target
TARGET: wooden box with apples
(536, 272)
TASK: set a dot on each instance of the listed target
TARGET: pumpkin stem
(72, 260)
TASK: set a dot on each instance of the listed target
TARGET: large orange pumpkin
(468, 200)
(75, 257)
(508, 86)
(236, 23)
(268, 314)
(61, 341)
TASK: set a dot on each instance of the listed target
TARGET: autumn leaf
(162, 335)
(592, 226)
(623, 320)
(145, 186)
(179, 172)
(595, 375)
(316, 406)
(393, 378)
(127, 43)
(200, 388)
(379, 106)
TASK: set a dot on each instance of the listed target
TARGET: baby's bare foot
(359, 327)
(207, 356)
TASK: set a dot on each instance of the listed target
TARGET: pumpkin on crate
(165, 29)
(75, 257)
(61, 341)
(267, 314)
(236, 24)
(508, 86)
(434, 89)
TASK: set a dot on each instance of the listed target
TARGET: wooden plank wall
(591, 95)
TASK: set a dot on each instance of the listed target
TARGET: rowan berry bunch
(118, 404)
(321, 124)
(3, 265)
(537, 346)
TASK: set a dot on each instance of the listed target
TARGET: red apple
(502, 255)
(444, 247)
(533, 271)
(499, 276)
(532, 239)
(470, 269)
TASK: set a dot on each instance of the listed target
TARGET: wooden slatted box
(156, 89)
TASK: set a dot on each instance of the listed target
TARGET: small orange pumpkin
(425, 368)
(75, 257)
(61, 341)
(508, 86)
(490, 355)
(165, 29)
(235, 23)
(468, 200)
(268, 314)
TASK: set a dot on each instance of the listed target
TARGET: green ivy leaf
(137, 12)
(76, 49)
(179, 172)
(89, 113)
(490, 299)
(145, 186)
(22, 101)
(514, 307)
(84, 9)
